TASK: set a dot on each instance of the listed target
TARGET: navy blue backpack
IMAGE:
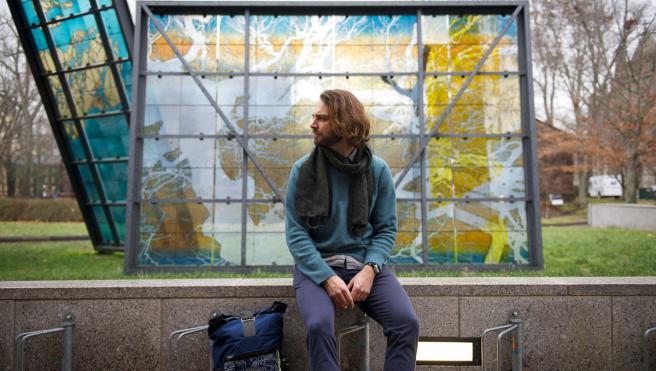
(249, 341)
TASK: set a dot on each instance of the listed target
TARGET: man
(340, 228)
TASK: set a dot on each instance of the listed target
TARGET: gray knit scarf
(313, 193)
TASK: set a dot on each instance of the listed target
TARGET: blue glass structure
(79, 53)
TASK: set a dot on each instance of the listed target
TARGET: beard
(327, 139)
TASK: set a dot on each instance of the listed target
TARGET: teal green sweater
(309, 243)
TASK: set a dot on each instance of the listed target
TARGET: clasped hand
(345, 296)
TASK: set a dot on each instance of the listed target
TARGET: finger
(338, 301)
(350, 299)
(350, 285)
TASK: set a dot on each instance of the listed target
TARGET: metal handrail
(67, 343)
(645, 348)
(364, 325)
(173, 344)
(174, 348)
(515, 328)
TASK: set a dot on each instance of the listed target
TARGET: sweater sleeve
(307, 258)
(383, 220)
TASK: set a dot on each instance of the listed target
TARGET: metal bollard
(645, 348)
(364, 325)
(515, 327)
(67, 343)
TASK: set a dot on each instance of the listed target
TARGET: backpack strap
(248, 323)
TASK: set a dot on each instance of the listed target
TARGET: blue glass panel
(94, 91)
(63, 8)
(108, 136)
(102, 3)
(39, 39)
(118, 213)
(60, 99)
(30, 12)
(74, 142)
(101, 219)
(113, 29)
(126, 75)
(114, 176)
(89, 185)
(78, 42)
(42, 49)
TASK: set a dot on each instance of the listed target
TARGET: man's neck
(342, 148)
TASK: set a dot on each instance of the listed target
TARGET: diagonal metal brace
(213, 102)
(455, 99)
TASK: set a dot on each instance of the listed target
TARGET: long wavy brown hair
(347, 116)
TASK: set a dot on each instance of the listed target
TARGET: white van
(604, 186)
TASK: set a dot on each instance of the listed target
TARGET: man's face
(322, 128)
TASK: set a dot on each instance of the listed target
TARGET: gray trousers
(388, 304)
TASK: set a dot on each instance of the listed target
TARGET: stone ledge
(281, 287)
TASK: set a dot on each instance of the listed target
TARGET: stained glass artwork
(202, 201)
(473, 178)
(90, 95)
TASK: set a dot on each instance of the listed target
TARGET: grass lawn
(568, 251)
(17, 229)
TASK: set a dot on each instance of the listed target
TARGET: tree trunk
(583, 174)
(631, 182)
(28, 175)
(11, 179)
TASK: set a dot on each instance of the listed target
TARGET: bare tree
(601, 50)
(627, 132)
(20, 110)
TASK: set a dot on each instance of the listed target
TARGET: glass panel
(440, 182)
(118, 213)
(471, 182)
(163, 90)
(74, 141)
(277, 157)
(108, 136)
(408, 246)
(333, 43)
(113, 29)
(114, 176)
(507, 181)
(54, 9)
(265, 241)
(490, 104)
(208, 43)
(165, 183)
(30, 12)
(125, 69)
(101, 219)
(441, 243)
(60, 99)
(78, 42)
(397, 153)
(42, 49)
(458, 43)
(94, 91)
(491, 232)
(190, 234)
(89, 185)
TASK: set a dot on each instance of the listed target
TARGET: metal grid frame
(520, 14)
(41, 76)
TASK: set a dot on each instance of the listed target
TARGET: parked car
(605, 186)
(556, 199)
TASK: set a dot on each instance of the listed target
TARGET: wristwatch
(374, 266)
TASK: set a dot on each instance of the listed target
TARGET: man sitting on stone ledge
(340, 228)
